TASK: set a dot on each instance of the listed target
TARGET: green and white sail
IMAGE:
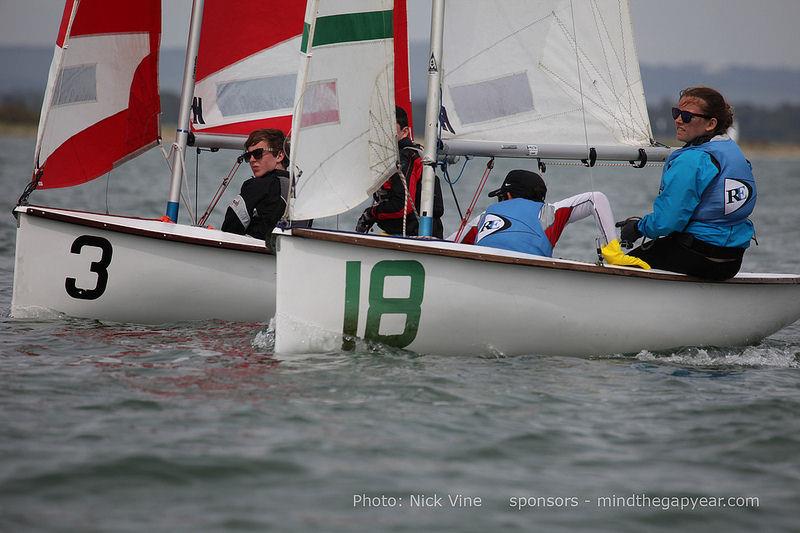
(343, 136)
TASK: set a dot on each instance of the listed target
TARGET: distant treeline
(20, 109)
(756, 124)
(762, 125)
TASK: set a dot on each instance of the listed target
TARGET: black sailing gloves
(365, 221)
(629, 232)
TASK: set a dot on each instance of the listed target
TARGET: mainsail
(246, 73)
(345, 145)
(550, 71)
(246, 79)
(101, 105)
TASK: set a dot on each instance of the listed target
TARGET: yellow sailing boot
(612, 253)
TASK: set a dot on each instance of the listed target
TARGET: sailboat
(534, 80)
(101, 109)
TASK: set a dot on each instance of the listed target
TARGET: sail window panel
(256, 95)
(76, 84)
(493, 99)
(320, 104)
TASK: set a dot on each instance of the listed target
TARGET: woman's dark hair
(713, 104)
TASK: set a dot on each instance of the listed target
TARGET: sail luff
(402, 65)
(306, 47)
(55, 67)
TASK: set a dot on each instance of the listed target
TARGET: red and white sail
(247, 69)
(101, 105)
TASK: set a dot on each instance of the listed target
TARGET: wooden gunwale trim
(398, 244)
(141, 232)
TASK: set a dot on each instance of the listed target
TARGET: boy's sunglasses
(686, 116)
(258, 153)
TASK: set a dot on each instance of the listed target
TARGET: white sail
(344, 143)
(518, 70)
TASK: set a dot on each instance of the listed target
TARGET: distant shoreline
(752, 150)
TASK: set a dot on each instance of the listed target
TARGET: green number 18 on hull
(379, 304)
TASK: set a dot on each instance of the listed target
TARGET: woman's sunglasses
(258, 153)
(686, 116)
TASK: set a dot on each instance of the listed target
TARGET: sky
(716, 33)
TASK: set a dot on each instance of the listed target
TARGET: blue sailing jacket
(514, 225)
(708, 201)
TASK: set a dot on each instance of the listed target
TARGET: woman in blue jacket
(699, 222)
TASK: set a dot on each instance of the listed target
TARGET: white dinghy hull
(435, 297)
(125, 269)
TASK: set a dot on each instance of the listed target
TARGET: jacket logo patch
(736, 195)
(491, 224)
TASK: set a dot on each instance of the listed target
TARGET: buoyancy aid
(731, 196)
(514, 225)
(389, 201)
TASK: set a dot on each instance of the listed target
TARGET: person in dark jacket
(262, 199)
(700, 219)
(397, 198)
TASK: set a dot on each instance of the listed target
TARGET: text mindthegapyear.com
(633, 501)
(520, 503)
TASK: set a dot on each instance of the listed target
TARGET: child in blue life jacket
(522, 221)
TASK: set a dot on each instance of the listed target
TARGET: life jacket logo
(492, 224)
(736, 194)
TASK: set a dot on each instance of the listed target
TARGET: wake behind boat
(531, 80)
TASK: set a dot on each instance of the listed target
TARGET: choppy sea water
(200, 427)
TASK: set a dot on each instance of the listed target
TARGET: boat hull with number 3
(123, 269)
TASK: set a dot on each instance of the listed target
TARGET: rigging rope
(451, 183)
(220, 191)
(406, 198)
(29, 188)
(585, 127)
(481, 184)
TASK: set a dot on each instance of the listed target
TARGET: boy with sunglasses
(700, 221)
(262, 199)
